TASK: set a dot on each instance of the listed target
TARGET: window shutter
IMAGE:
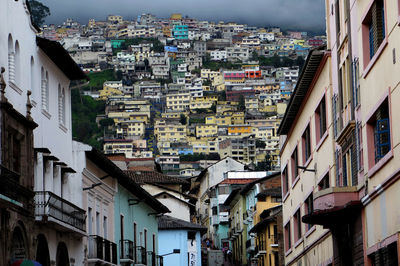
(354, 166)
(337, 163)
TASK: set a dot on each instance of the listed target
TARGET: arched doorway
(62, 258)
(42, 251)
(18, 247)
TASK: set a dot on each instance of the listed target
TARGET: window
(378, 128)
(320, 119)
(306, 140)
(295, 163)
(285, 180)
(324, 183)
(122, 228)
(374, 29)
(385, 256)
(297, 226)
(45, 89)
(17, 64)
(61, 105)
(309, 207)
(360, 147)
(288, 244)
(105, 224)
(33, 80)
(11, 73)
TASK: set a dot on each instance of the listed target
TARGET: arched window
(45, 89)
(17, 64)
(61, 105)
(33, 80)
(11, 66)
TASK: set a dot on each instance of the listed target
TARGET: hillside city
(179, 141)
(188, 89)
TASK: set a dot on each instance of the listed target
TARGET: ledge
(295, 181)
(310, 231)
(15, 87)
(287, 253)
(372, 171)
(298, 242)
(322, 140)
(46, 114)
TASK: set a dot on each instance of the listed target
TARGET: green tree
(242, 105)
(183, 119)
(260, 144)
(38, 12)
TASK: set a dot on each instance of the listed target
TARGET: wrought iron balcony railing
(141, 256)
(102, 249)
(10, 186)
(127, 248)
(50, 205)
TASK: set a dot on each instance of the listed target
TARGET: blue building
(181, 32)
(178, 234)
(135, 221)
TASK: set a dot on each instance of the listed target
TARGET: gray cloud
(294, 14)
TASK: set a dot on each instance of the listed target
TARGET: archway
(62, 258)
(42, 251)
(18, 247)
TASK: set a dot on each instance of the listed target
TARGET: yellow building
(169, 132)
(130, 128)
(239, 129)
(200, 146)
(173, 115)
(178, 101)
(237, 118)
(307, 141)
(176, 16)
(204, 102)
(107, 92)
(115, 19)
(206, 130)
(223, 106)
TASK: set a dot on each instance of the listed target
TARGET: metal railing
(103, 249)
(151, 258)
(10, 186)
(141, 256)
(49, 204)
(127, 248)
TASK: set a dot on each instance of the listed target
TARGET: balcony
(250, 244)
(50, 208)
(274, 241)
(127, 248)
(151, 258)
(101, 251)
(259, 251)
(11, 191)
(223, 217)
(333, 205)
(214, 202)
(141, 255)
(214, 220)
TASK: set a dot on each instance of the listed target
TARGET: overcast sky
(293, 14)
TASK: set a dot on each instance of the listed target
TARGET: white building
(218, 55)
(45, 68)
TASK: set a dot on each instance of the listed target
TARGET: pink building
(340, 152)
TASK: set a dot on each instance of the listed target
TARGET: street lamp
(174, 251)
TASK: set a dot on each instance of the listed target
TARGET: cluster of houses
(334, 142)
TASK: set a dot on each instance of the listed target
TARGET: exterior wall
(379, 81)
(138, 214)
(306, 183)
(178, 239)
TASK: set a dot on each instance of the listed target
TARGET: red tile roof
(149, 177)
(239, 181)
